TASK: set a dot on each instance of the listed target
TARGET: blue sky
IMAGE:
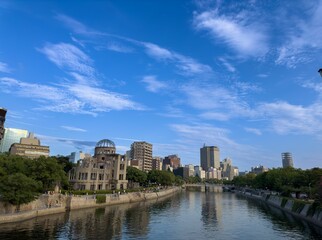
(241, 75)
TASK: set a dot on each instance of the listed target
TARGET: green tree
(135, 175)
(18, 189)
(161, 177)
(49, 172)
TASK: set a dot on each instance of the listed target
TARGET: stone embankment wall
(57, 203)
(291, 206)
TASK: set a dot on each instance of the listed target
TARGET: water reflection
(189, 215)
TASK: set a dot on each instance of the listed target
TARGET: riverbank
(48, 204)
(298, 209)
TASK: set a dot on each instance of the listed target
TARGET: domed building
(106, 170)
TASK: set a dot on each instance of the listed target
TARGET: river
(187, 215)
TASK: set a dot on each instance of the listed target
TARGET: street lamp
(320, 71)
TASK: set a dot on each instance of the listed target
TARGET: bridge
(204, 187)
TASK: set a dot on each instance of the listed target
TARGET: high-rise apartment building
(142, 151)
(3, 113)
(287, 159)
(209, 157)
(11, 136)
(157, 163)
(173, 161)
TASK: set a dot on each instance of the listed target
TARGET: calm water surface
(190, 215)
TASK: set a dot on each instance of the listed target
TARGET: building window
(100, 187)
(121, 166)
(82, 187)
(93, 176)
(92, 187)
(101, 176)
(121, 177)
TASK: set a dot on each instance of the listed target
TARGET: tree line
(284, 180)
(153, 177)
(23, 179)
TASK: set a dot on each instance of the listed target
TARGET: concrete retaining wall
(58, 203)
(276, 201)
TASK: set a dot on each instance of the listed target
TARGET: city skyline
(241, 76)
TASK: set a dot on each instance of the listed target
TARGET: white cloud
(72, 98)
(102, 100)
(262, 75)
(68, 57)
(117, 47)
(186, 65)
(229, 67)
(304, 38)
(37, 91)
(157, 52)
(69, 128)
(153, 85)
(219, 103)
(76, 26)
(239, 33)
(4, 68)
(254, 130)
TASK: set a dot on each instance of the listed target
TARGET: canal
(187, 215)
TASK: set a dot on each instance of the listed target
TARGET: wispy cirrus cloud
(70, 98)
(69, 128)
(304, 37)
(228, 65)
(4, 68)
(185, 65)
(102, 100)
(287, 118)
(71, 59)
(253, 130)
(76, 26)
(117, 47)
(239, 32)
(152, 84)
(216, 102)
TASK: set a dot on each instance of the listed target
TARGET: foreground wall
(57, 203)
(298, 209)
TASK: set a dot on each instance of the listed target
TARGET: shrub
(298, 206)
(101, 199)
(284, 201)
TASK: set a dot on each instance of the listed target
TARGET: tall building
(157, 163)
(29, 147)
(75, 156)
(188, 171)
(213, 173)
(11, 136)
(259, 169)
(209, 157)
(106, 170)
(228, 170)
(287, 159)
(173, 161)
(200, 172)
(3, 113)
(142, 151)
